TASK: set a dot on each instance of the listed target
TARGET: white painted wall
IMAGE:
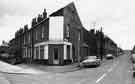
(56, 26)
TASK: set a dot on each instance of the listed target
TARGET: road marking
(114, 65)
(101, 78)
(109, 70)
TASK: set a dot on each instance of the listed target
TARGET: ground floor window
(41, 52)
(37, 52)
(25, 51)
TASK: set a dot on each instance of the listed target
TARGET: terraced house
(55, 39)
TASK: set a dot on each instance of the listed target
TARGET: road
(116, 71)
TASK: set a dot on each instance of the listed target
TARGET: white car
(109, 56)
(90, 61)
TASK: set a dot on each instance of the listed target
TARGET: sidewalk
(55, 69)
(14, 69)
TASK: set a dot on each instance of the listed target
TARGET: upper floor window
(29, 37)
(36, 35)
(79, 36)
(67, 30)
(24, 40)
(42, 33)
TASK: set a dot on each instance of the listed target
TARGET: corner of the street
(53, 69)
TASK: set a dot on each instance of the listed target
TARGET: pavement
(13, 69)
(54, 69)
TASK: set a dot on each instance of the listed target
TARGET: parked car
(132, 58)
(133, 69)
(121, 53)
(109, 56)
(90, 61)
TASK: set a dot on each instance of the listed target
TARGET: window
(41, 52)
(37, 52)
(26, 52)
(24, 40)
(36, 35)
(79, 36)
(67, 30)
(30, 52)
(42, 33)
(29, 37)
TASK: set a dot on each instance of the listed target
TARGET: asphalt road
(116, 71)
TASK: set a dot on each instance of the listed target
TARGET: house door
(56, 56)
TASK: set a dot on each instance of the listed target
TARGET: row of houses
(59, 39)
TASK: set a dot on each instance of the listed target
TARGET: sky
(117, 17)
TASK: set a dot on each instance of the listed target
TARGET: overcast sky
(117, 17)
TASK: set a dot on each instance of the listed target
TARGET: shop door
(56, 56)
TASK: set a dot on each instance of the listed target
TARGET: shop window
(42, 52)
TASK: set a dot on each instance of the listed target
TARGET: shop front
(56, 53)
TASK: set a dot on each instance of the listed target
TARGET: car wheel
(81, 66)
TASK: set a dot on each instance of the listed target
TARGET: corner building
(56, 39)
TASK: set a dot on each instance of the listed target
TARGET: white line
(101, 78)
(109, 70)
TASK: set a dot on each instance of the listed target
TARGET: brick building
(59, 39)
(56, 39)
(110, 46)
